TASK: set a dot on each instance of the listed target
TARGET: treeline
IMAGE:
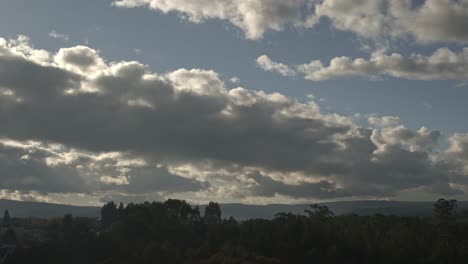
(175, 232)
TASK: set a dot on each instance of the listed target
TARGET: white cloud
(254, 17)
(383, 121)
(265, 63)
(431, 21)
(423, 138)
(444, 21)
(119, 180)
(203, 82)
(426, 22)
(25, 196)
(235, 80)
(443, 64)
(79, 58)
(21, 47)
(364, 17)
(54, 34)
(458, 150)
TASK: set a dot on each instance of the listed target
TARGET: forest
(174, 232)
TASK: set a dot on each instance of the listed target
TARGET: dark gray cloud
(23, 168)
(121, 129)
(53, 168)
(266, 186)
(169, 122)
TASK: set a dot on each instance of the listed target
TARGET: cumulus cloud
(423, 138)
(254, 17)
(79, 58)
(431, 21)
(459, 146)
(424, 21)
(458, 150)
(427, 21)
(443, 64)
(364, 17)
(122, 130)
(265, 63)
(383, 121)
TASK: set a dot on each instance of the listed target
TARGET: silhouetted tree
(195, 216)
(446, 213)
(174, 232)
(6, 218)
(445, 210)
(109, 214)
(67, 220)
(320, 211)
(212, 214)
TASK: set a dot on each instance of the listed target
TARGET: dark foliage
(175, 232)
(6, 218)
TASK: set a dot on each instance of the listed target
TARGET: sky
(250, 101)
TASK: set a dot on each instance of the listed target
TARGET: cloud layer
(426, 22)
(75, 124)
(443, 64)
(254, 17)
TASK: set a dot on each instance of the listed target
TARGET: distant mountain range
(238, 211)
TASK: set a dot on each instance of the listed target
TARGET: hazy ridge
(238, 211)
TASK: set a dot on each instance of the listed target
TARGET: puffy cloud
(459, 146)
(431, 21)
(21, 47)
(254, 17)
(265, 63)
(443, 64)
(197, 81)
(194, 11)
(458, 150)
(383, 121)
(426, 21)
(364, 17)
(400, 135)
(122, 130)
(444, 21)
(79, 58)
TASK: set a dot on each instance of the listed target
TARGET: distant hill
(243, 211)
(238, 211)
(45, 210)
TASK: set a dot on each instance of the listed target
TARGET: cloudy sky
(252, 101)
